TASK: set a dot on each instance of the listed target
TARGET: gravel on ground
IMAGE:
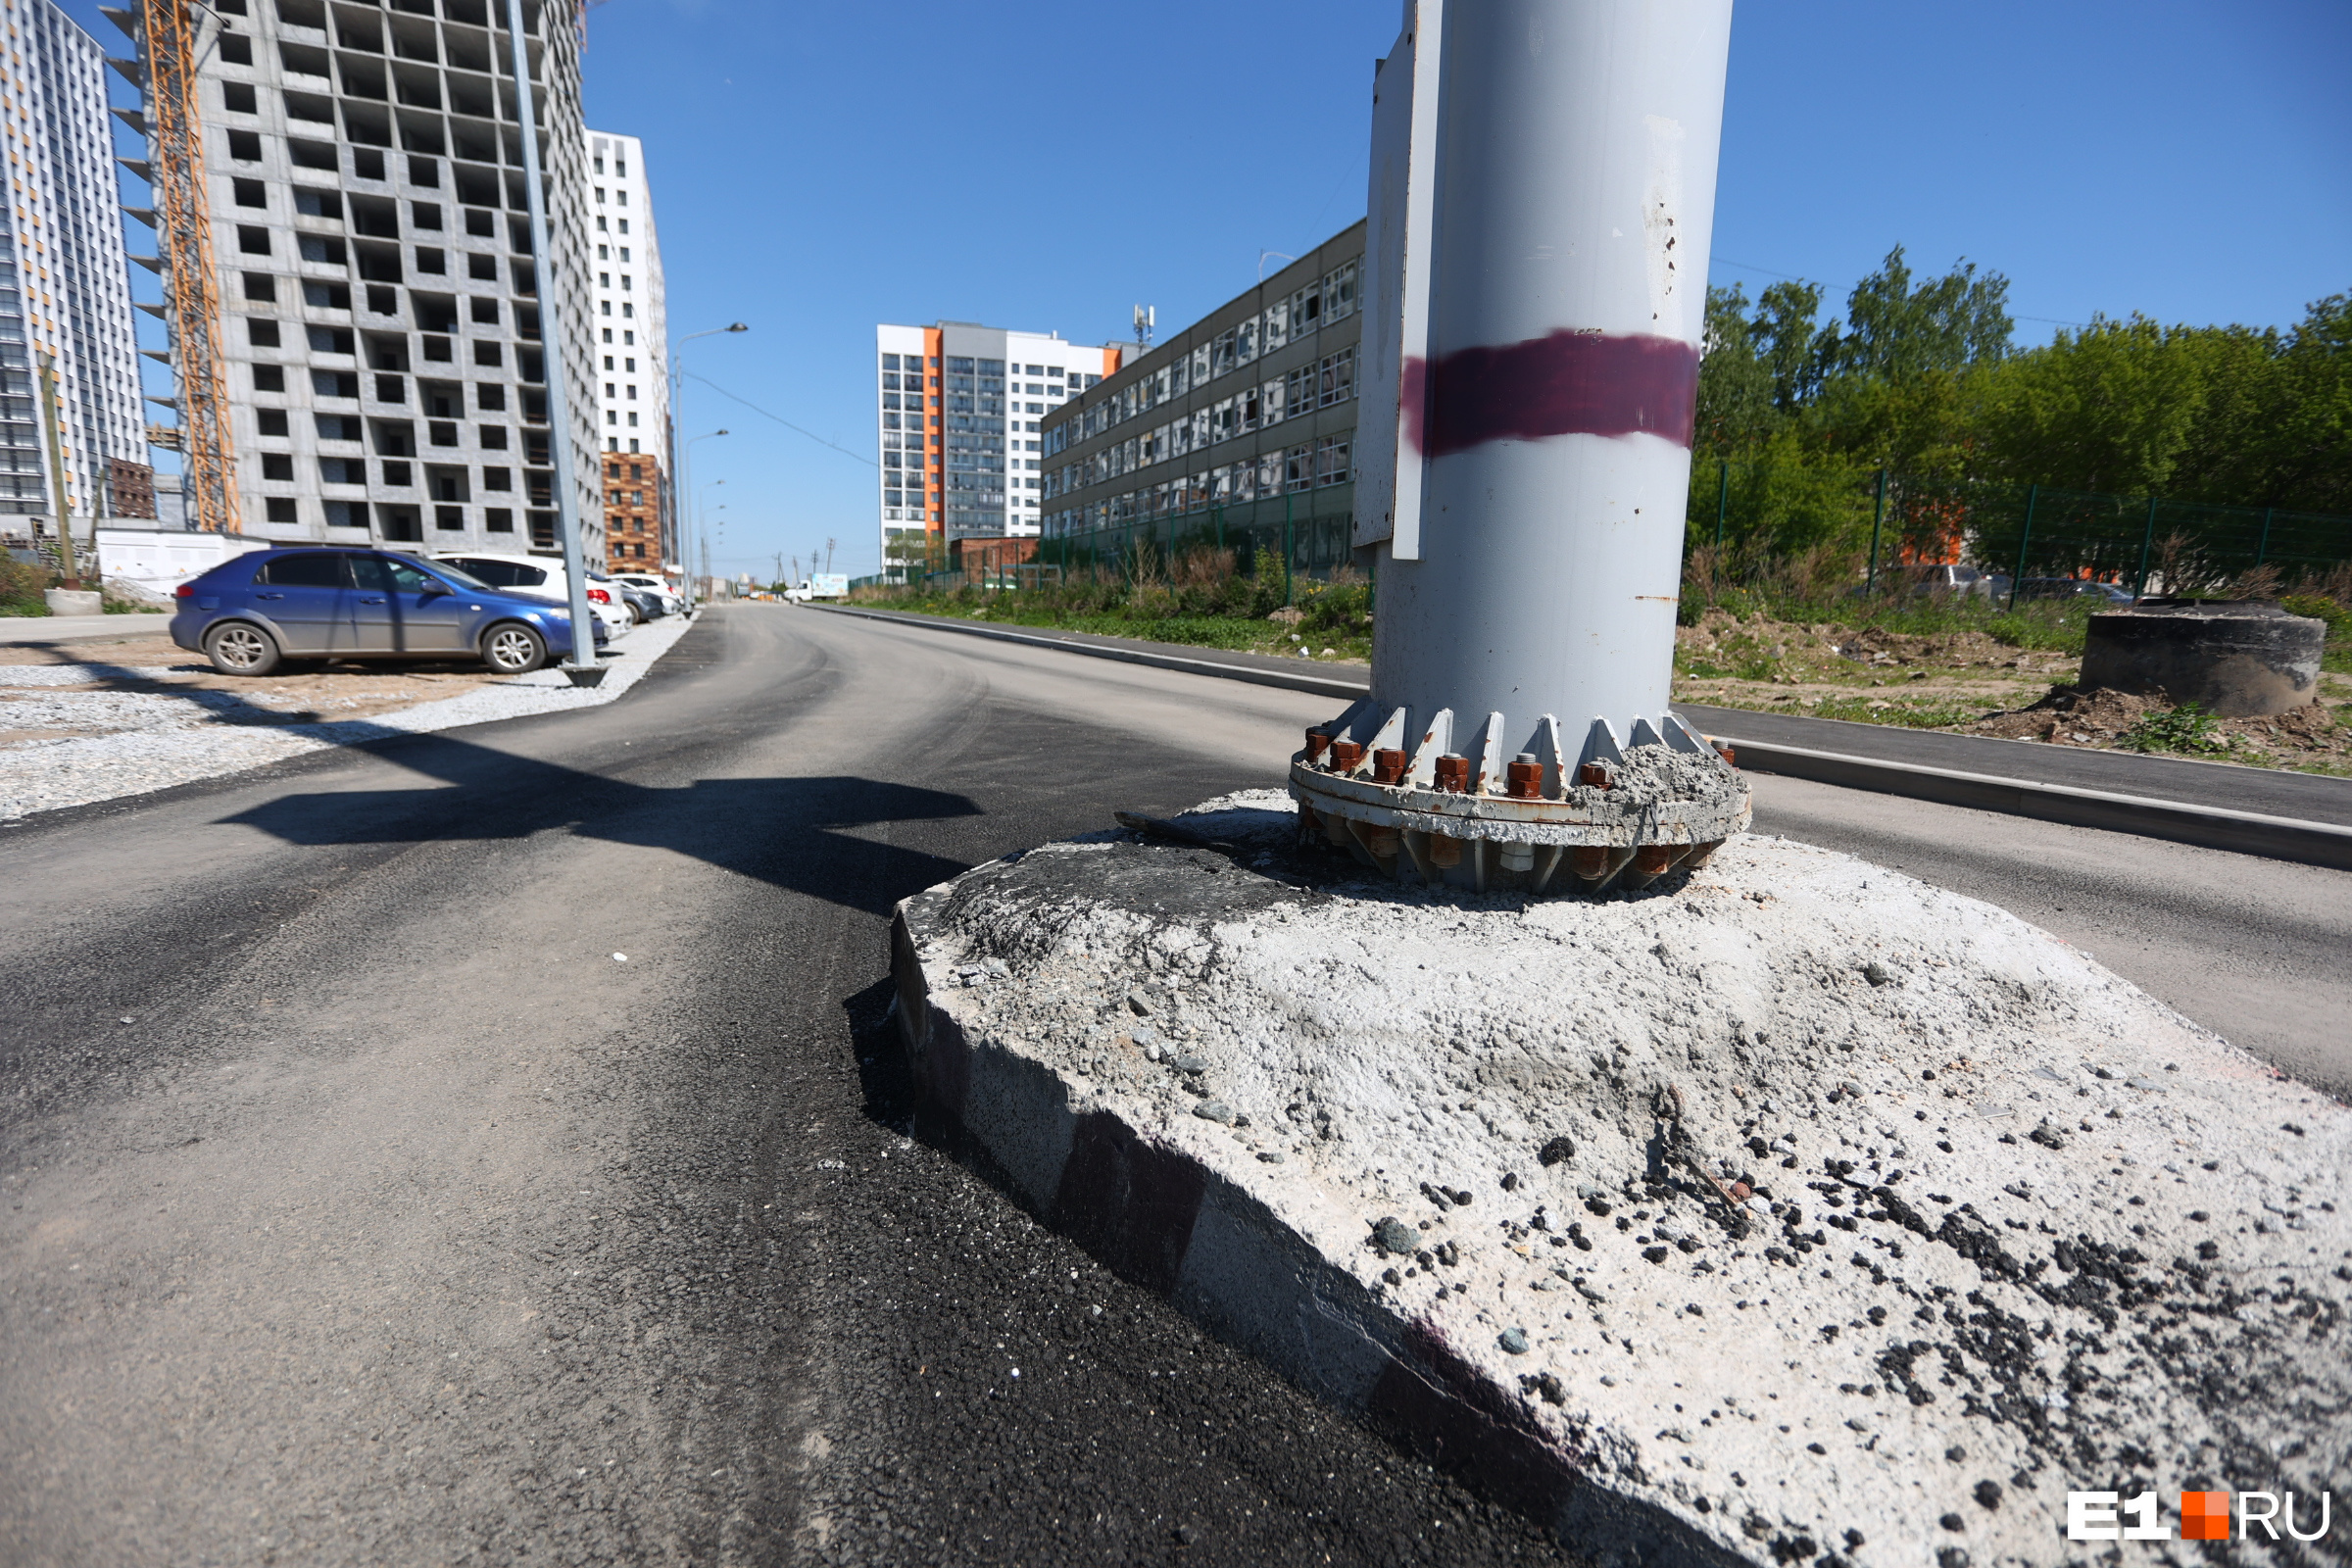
(93, 721)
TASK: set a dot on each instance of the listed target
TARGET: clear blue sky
(818, 169)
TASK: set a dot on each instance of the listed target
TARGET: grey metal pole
(550, 351)
(679, 455)
(2025, 537)
(1877, 515)
(67, 566)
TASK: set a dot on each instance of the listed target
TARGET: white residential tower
(63, 285)
(632, 354)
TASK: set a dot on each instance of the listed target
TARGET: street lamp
(674, 479)
(678, 507)
(707, 529)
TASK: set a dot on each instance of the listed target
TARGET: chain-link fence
(1304, 536)
(1754, 514)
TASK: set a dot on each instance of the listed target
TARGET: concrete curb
(2276, 838)
(1158, 1218)
(1318, 685)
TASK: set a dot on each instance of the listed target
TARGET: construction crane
(168, 37)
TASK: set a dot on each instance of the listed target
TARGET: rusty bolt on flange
(1610, 814)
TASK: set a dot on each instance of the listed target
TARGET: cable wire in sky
(780, 420)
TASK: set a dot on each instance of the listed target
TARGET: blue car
(295, 606)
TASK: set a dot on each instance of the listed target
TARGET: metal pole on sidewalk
(1287, 547)
(57, 474)
(551, 353)
(1877, 515)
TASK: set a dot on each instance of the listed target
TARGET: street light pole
(674, 480)
(701, 512)
(551, 355)
(681, 500)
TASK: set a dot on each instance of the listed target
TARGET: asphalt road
(361, 1205)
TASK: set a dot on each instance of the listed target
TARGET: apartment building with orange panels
(957, 407)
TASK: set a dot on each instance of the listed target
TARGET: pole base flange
(1611, 815)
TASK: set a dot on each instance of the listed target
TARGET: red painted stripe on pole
(1564, 383)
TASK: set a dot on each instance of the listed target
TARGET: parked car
(2105, 593)
(542, 575)
(670, 599)
(1920, 581)
(294, 606)
(643, 607)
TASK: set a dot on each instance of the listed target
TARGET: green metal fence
(1757, 513)
(1760, 512)
(1305, 535)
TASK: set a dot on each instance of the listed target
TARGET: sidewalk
(2302, 817)
(16, 629)
(2222, 786)
(158, 741)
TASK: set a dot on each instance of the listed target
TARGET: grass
(1915, 663)
(2187, 729)
(1199, 597)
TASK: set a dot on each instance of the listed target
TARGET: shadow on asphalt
(794, 833)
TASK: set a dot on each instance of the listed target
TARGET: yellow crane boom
(192, 287)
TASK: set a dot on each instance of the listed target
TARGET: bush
(22, 586)
(2187, 728)
(2319, 607)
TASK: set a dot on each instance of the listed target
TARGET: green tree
(1735, 386)
(1789, 341)
(2118, 406)
(1947, 324)
(2289, 439)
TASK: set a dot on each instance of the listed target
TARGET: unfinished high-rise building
(632, 354)
(64, 289)
(380, 336)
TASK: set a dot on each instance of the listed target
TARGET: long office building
(632, 355)
(960, 409)
(64, 289)
(1249, 413)
(382, 349)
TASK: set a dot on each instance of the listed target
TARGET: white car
(671, 600)
(541, 575)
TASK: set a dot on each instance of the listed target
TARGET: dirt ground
(2315, 739)
(150, 664)
(1968, 682)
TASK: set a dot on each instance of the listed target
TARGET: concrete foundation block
(1789, 1210)
(2236, 659)
(75, 602)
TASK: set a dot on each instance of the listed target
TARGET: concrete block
(1464, 1169)
(75, 602)
(2236, 659)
